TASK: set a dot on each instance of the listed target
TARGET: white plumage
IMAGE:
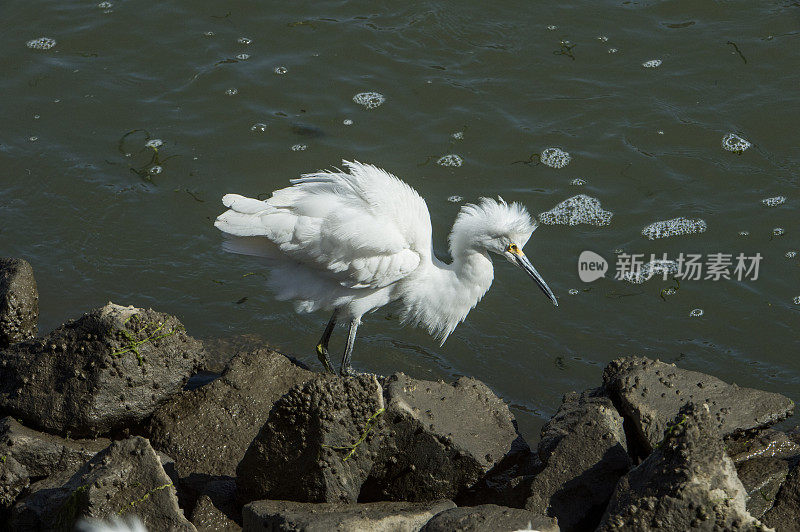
(351, 242)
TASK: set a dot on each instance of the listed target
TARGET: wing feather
(364, 228)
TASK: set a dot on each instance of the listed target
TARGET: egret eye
(513, 248)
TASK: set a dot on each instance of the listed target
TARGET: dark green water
(77, 199)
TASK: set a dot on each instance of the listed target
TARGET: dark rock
(687, 483)
(44, 454)
(763, 443)
(220, 350)
(508, 484)
(376, 516)
(785, 512)
(19, 302)
(489, 517)
(584, 451)
(208, 430)
(318, 444)
(440, 439)
(124, 479)
(761, 478)
(13, 479)
(216, 507)
(109, 369)
(649, 394)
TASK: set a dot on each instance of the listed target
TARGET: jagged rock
(208, 430)
(220, 350)
(764, 443)
(584, 451)
(375, 516)
(687, 483)
(489, 517)
(44, 454)
(19, 302)
(107, 370)
(439, 439)
(761, 478)
(13, 479)
(508, 484)
(785, 512)
(216, 508)
(318, 444)
(125, 478)
(649, 393)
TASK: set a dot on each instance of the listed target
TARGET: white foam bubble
(242, 57)
(233, 91)
(42, 43)
(574, 291)
(153, 143)
(612, 50)
(735, 143)
(653, 63)
(458, 135)
(580, 209)
(778, 231)
(155, 170)
(578, 182)
(370, 100)
(450, 159)
(796, 300)
(774, 202)
(281, 70)
(552, 27)
(259, 127)
(791, 254)
(602, 38)
(654, 268)
(300, 147)
(209, 34)
(674, 227)
(455, 199)
(347, 122)
(696, 313)
(33, 139)
(744, 233)
(105, 5)
(555, 157)
(244, 40)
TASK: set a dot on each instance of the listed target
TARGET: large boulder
(687, 483)
(489, 517)
(584, 453)
(318, 444)
(439, 439)
(19, 302)
(45, 454)
(124, 479)
(285, 516)
(207, 430)
(649, 394)
(217, 508)
(14, 478)
(785, 512)
(105, 371)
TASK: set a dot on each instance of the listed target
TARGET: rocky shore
(106, 416)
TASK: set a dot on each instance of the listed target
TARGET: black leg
(345, 369)
(322, 346)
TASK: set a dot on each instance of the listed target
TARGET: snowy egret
(352, 242)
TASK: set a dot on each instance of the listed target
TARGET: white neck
(441, 296)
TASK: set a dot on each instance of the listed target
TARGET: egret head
(495, 226)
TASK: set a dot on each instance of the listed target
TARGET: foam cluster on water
(259, 127)
(774, 202)
(778, 231)
(455, 199)
(653, 63)
(450, 159)
(42, 43)
(458, 135)
(696, 313)
(735, 143)
(578, 182)
(370, 100)
(791, 254)
(555, 157)
(244, 40)
(242, 57)
(796, 300)
(674, 227)
(300, 147)
(580, 209)
(654, 268)
(153, 143)
(281, 70)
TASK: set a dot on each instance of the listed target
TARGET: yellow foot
(322, 355)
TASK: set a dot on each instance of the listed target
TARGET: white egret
(352, 242)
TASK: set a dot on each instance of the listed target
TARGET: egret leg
(345, 369)
(322, 346)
